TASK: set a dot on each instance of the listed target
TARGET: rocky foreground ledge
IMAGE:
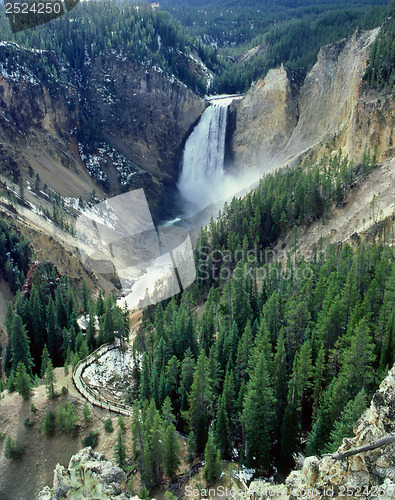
(89, 475)
(369, 474)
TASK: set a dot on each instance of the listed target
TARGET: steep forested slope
(92, 28)
(381, 70)
(256, 37)
(234, 22)
(280, 351)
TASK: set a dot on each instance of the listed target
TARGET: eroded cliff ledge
(283, 116)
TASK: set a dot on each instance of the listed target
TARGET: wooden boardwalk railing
(92, 396)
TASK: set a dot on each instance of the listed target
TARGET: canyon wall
(285, 116)
(129, 120)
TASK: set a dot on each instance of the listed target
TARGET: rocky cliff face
(89, 475)
(262, 123)
(142, 112)
(283, 117)
(115, 126)
(370, 474)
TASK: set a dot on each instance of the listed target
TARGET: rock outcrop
(89, 475)
(370, 474)
(282, 117)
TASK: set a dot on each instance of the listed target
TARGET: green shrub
(86, 413)
(65, 390)
(11, 382)
(12, 449)
(28, 422)
(144, 493)
(91, 439)
(108, 425)
(121, 423)
(66, 419)
(33, 408)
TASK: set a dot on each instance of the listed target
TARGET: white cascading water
(203, 158)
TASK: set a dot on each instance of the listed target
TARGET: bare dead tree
(367, 447)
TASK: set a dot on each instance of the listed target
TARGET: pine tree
(85, 296)
(318, 380)
(191, 447)
(33, 312)
(145, 378)
(75, 361)
(291, 428)
(171, 461)
(261, 344)
(344, 425)
(167, 412)
(49, 380)
(137, 432)
(54, 342)
(47, 425)
(152, 447)
(45, 358)
(258, 414)
(91, 330)
(120, 450)
(241, 307)
(60, 309)
(84, 350)
(229, 396)
(172, 376)
(11, 382)
(66, 419)
(212, 458)
(20, 350)
(23, 383)
(331, 405)
(358, 360)
(290, 437)
(100, 305)
(280, 375)
(121, 423)
(243, 353)
(222, 430)
(200, 400)
(187, 370)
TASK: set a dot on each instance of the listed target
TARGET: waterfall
(203, 158)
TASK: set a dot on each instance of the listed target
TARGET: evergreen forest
(259, 359)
